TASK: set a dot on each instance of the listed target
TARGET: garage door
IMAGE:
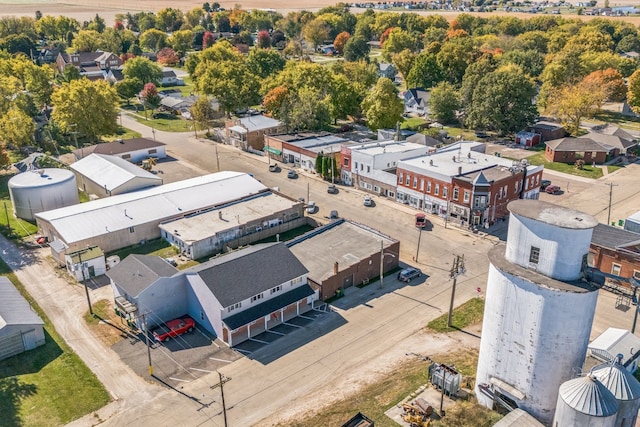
(11, 345)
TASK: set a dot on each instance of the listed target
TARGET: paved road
(367, 326)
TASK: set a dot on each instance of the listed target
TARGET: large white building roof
(259, 122)
(391, 146)
(110, 172)
(456, 159)
(612, 342)
(86, 220)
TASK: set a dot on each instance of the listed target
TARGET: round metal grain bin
(42, 190)
(585, 402)
(624, 387)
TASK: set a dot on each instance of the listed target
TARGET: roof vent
(431, 162)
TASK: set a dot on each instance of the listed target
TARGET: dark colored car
(332, 189)
(544, 184)
(552, 189)
(292, 174)
(173, 328)
(408, 273)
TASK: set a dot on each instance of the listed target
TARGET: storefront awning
(272, 150)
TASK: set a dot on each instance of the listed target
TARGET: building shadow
(31, 361)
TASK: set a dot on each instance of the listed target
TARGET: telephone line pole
(457, 268)
(223, 380)
(611, 185)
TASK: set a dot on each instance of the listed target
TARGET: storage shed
(86, 263)
(21, 329)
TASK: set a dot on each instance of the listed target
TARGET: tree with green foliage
(315, 32)
(265, 62)
(502, 101)
(70, 110)
(181, 41)
(230, 82)
(17, 128)
(310, 109)
(530, 61)
(203, 113)
(455, 56)
(345, 98)
(97, 24)
(142, 69)
(128, 88)
(425, 72)
(572, 103)
(319, 163)
(633, 95)
(356, 49)
(444, 102)
(403, 61)
(169, 19)
(381, 107)
(153, 39)
(86, 41)
(472, 76)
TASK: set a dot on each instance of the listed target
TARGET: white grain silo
(585, 402)
(626, 389)
(536, 327)
(42, 190)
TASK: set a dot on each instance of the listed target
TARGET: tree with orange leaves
(340, 41)
(612, 81)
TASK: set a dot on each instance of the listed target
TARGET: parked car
(332, 189)
(544, 184)
(552, 189)
(292, 174)
(311, 206)
(421, 220)
(274, 167)
(409, 273)
(173, 328)
(368, 201)
(333, 215)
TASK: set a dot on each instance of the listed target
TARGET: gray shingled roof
(612, 237)
(578, 144)
(14, 309)
(119, 147)
(136, 272)
(247, 272)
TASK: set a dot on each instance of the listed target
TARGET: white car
(311, 206)
(368, 201)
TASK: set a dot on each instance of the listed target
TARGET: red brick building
(568, 150)
(615, 252)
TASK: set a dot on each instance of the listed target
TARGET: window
(276, 289)
(615, 269)
(422, 185)
(391, 194)
(500, 196)
(368, 168)
(256, 297)
(429, 187)
(636, 274)
(361, 168)
(346, 161)
(476, 202)
(153, 151)
(415, 182)
(445, 192)
(534, 255)
(400, 178)
(455, 194)
(376, 189)
(234, 307)
(355, 163)
(407, 180)
(131, 230)
(466, 196)
(296, 281)
(437, 191)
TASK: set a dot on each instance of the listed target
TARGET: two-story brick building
(249, 132)
(615, 252)
(460, 182)
(302, 149)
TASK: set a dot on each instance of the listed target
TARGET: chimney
(335, 267)
(459, 170)
(431, 162)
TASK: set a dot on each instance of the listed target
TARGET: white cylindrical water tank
(585, 402)
(42, 190)
(626, 389)
(550, 239)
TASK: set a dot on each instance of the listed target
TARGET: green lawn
(186, 89)
(164, 122)
(157, 247)
(123, 133)
(47, 386)
(587, 171)
(467, 314)
(412, 122)
(619, 119)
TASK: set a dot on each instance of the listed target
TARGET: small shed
(86, 263)
(632, 223)
(21, 328)
(613, 342)
(528, 139)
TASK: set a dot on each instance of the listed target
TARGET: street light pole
(215, 144)
(419, 236)
(381, 262)
(84, 282)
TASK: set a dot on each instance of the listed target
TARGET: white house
(86, 263)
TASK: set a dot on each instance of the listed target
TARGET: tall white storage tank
(626, 389)
(42, 190)
(585, 402)
(536, 328)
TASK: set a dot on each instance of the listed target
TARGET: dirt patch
(106, 325)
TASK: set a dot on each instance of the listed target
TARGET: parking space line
(201, 370)
(178, 379)
(291, 324)
(305, 317)
(243, 351)
(260, 341)
(221, 360)
(274, 332)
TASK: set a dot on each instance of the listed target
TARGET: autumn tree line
(490, 73)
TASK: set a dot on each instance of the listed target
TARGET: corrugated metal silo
(585, 402)
(42, 190)
(626, 389)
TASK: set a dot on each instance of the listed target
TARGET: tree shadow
(12, 391)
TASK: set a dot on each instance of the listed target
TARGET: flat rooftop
(391, 146)
(498, 260)
(344, 242)
(552, 214)
(201, 226)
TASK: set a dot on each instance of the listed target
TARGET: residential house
(102, 175)
(134, 150)
(548, 130)
(93, 65)
(301, 150)
(460, 182)
(21, 329)
(397, 134)
(86, 263)
(569, 150)
(387, 70)
(48, 55)
(179, 105)
(613, 342)
(238, 223)
(127, 219)
(374, 164)
(615, 253)
(342, 254)
(416, 100)
(169, 78)
(249, 132)
(235, 296)
(326, 49)
(114, 75)
(613, 136)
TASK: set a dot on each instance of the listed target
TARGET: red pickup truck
(173, 328)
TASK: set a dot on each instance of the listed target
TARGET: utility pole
(6, 212)
(146, 336)
(215, 144)
(223, 379)
(381, 262)
(84, 282)
(419, 236)
(611, 185)
(456, 269)
(308, 192)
